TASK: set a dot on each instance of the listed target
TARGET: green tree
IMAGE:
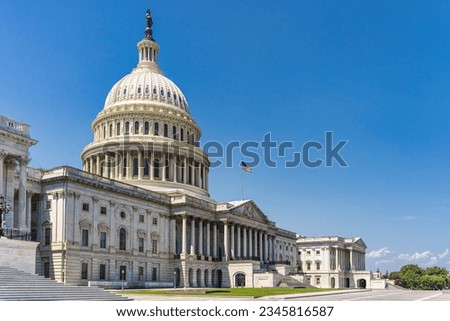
(432, 282)
(436, 270)
(411, 274)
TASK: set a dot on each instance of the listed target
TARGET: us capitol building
(139, 210)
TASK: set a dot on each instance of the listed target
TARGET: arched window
(182, 134)
(174, 132)
(162, 92)
(135, 167)
(127, 128)
(125, 165)
(139, 90)
(156, 129)
(168, 94)
(122, 239)
(166, 130)
(154, 90)
(104, 131)
(239, 280)
(118, 129)
(136, 128)
(188, 137)
(110, 130)
(146, 128)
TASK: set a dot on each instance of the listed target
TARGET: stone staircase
(16, 285)
(290, 282)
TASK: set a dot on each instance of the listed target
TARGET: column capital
(24, 160)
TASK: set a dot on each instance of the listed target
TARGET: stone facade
(333, 262)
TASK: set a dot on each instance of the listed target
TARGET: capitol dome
(145, 134)
(146, 86)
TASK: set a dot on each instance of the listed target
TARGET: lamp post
(3, 210)
(122, 273)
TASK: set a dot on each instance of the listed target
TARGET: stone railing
(15, 234)
(14, 126)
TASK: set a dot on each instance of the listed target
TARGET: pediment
(250, 210)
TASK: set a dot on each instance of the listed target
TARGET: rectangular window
(318, 252)
(154, 246)
(317, 281)
(103, 210)
(155, 221)
(86, 207)
(141, 273)
(48, 205)
(308, 266)
(308, 280)
(154, 274)
(84, 237)
(103, 240)
(48, 236)
(308, 252)
(84, 271)
(141, 218)
(102, 272)
(317, 266)
(141, 245)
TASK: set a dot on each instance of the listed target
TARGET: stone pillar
(2, 174)
(173, 231)
(200, 237)
(261, 252)
(183, 235)
(238, 249)
(351, 260)
(266, 248)
(22, 193)
(244, 240)
(193, 236)
(151, 167)
(140, 165)
(208, 239)
(215, 239)
(28, 220)
(185, 170)
(337, 260)
(118, 167)
(232, 242)
(174, 169)
(91, 165)
(250, 243)
(97, 166)
(164, 168)
(226, 240)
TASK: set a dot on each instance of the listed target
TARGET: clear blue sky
(375, 74)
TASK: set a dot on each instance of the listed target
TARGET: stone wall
(18, 254)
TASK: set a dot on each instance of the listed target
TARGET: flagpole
(242, 183)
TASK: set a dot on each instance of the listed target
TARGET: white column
(98, 170)
(152, 162)
(238, 249)
(118, 167)
(200, 237)
(215, 239)
(91, 165)
(141, 165)
(164, 168)
(266, 248)
(183, 235)
(185, 171)
(2, 173)
(232, 242)
(173, 231)
(351, 261)
(261, 252)
(129, 165)
(22, 193)
(208, 239)
(174, 169)
(28, 220)
(193, 236)
(337, 260)
(244, 240)
(226, 240)
(250, 243)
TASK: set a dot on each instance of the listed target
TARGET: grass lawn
(251, 292)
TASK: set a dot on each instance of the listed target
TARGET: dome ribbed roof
(145, 86)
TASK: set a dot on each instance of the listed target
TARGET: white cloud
(444, 254)
(432, 262)
(379, 253)
(415, 257)
(381, 262)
